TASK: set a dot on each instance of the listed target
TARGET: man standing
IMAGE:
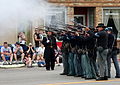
(71, 54)
(6, 52)
(50, 45)
(65, 52)
(102, 51)
(36, 38)
(112, 53)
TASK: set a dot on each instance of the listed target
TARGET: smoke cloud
(13, 13)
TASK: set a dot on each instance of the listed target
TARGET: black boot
(63, 74)
(102, 78)
(106, 78)
(117, 76)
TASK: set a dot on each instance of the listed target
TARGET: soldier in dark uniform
(112, 54)
(85, 61)
(50, 45)
(91, 48)
(65, 52)
(77, 55)
(102, 51)
(71, 54)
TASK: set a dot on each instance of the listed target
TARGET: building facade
(86, 12)
(92, 12)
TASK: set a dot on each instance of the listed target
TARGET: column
(98, 15)
(70, 15)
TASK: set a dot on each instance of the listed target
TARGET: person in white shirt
(6, 52)
(40, 52)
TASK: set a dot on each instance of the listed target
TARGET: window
(111, 17)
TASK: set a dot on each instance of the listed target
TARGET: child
(40, 55)
(28, 60)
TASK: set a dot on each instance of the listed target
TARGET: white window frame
(83, 18)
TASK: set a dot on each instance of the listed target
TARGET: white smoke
(15, 12)
(22, 9)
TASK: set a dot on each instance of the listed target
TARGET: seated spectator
(40, 54)
(31, 51)
(18, 52)
(28, 60)
(6, 53)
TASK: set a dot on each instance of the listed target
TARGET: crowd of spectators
(20, 53)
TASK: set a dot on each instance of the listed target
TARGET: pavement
(39, 76)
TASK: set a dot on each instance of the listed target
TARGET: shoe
(97, 75)
(117, 76)
(10, 63)
(21, 62)
(89, 78)
(101, 78)
(77, 76)
(33, 62)
(52, 68)
(70, 75)
(16, 62)
(106, 77)
(47, 69)
(63, 74)
(82, 76)
(5, 63)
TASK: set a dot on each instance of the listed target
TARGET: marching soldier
(71, 54)
(65, 52)
(77, 57)
(91, 48)
(85, 61)
(102, 51)
(112, 53)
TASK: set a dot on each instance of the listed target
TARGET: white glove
(48, 41)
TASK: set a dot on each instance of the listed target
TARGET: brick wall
(103, 1)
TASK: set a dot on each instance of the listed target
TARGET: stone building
(92, 12)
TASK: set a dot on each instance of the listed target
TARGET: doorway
(111, 23)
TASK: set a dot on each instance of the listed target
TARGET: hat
(42, 29)
(49, 30)
(101, 25)
(108, 29)
(30, 43)
(17, 43)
